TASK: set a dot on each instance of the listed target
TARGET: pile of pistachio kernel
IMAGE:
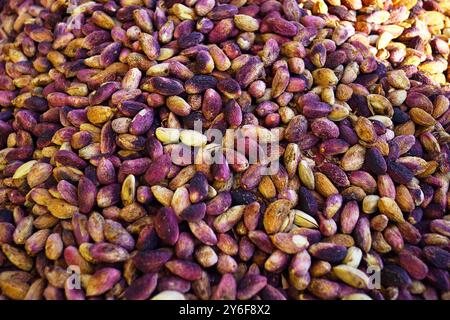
(95, 97)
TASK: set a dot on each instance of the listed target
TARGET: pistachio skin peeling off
(109, 113)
